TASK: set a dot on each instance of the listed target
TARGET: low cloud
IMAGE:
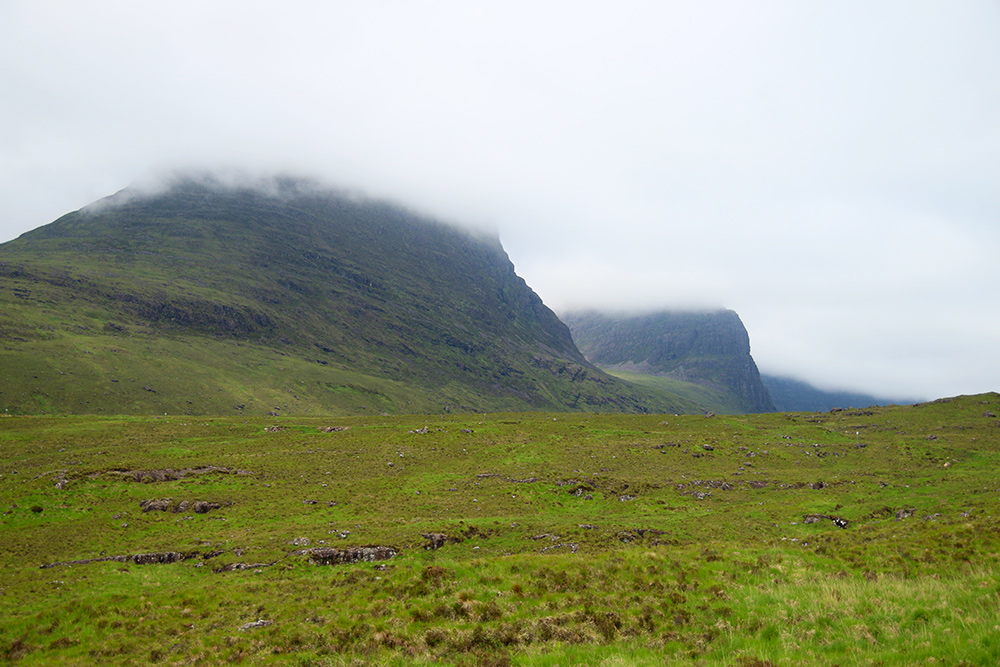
(828, 169)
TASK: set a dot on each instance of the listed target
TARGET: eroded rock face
(158, 558)
(154, 558)
(331, 556)
(167, 504)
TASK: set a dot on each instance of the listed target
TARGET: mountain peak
(708, 348)
(289, 295)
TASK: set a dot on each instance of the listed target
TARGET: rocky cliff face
(706, 348)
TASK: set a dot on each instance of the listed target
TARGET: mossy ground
(575, 539)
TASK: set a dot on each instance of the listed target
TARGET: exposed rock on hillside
(706, 348)
(288, 297)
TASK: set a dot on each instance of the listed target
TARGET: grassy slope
(701, 396)
(733, 577)
(311, 303)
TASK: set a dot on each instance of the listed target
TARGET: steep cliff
(711, 349)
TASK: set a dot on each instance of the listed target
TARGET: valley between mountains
(291, 425)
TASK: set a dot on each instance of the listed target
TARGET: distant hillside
(796, 396)
(710, 349)
(207, 298)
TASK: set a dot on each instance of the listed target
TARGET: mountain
(206, 298)
(791, 395)
(709, 349)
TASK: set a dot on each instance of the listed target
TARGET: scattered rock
(155, 505)
(275, 429)
(157, 558)
(989, 414)
(330, 556)
(154, 558)
(435, 540)
(168, 474)
(332, 429)
(905, 514)
(840, 522)
(420, 431)
(166, 504)
(259, 623)
(301, 542)
(708, 448)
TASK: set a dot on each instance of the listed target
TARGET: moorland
(852, 537)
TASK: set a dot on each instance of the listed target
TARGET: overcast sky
(828, 169)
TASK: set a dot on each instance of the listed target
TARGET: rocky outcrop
(168, 505)
(331, 556)
(707, 348)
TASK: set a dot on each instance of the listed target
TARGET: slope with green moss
(206, 298)
(710, 349)
(854, 537)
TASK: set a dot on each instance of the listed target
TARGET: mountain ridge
(794, 395)
(293, 297)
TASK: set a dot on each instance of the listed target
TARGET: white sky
(829, 169)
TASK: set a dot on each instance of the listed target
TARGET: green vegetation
(709, 349)
(705, 397)
(212, 300)
(563, 539)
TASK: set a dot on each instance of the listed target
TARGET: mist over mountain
(207, 296)
(791, 395)
(711, 349)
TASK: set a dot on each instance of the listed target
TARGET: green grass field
(567, 539)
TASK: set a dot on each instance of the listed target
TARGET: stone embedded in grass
(259, 623)
(167, 504)
(840, 522)
(331, 556)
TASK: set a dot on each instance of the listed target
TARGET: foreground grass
(571, 539)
